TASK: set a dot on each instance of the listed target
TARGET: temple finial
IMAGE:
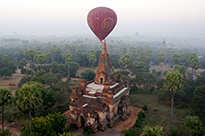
(104, 50)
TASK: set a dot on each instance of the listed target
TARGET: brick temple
(99, 103)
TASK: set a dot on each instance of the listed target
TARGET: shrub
(141, 115)
(144, 107)
(28, 72)
(137, 123)
(87, 131)
(165, 72)
(154, 71)
(88, 74)
(23, 71)
(73, 126)
(174, 132)
(67, 128)
(5, 133)
(122, 72)
(127, 132)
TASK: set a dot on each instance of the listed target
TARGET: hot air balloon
(101, 21)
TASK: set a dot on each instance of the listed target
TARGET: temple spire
(104, 50)
(104, 72)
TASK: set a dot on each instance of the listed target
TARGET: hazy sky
(69, 16)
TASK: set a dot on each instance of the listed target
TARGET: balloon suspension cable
(101, 43)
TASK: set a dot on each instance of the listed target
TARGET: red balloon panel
(101, 21)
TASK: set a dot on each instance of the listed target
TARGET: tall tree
(125, 60)
(58, 51)
(124, 50)
(181, 69)
(194, 62)
(52, 51)
(28, 97)
(5, 59)
(173, 83)
(194, 125)
(92, 60)
(5, 72)
(5, 99)
(198, 100)
(68, 58)
(31, 54)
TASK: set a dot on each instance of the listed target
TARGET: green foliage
(137, 67)
(50, 125)
(5, 99)
(127, 132)
(122, 72)
(5, 133)
(160, 84)
(154, 71)
(173, 81)
(12, 66)
(66, 134)
(48, 102)
(5, 72)
(141, 115)
(39, 73)
(145, 79)
(24, 79)
(38, 79)
(144, 107)
(87, 131)
(124, 60)
(181, 69)
(198, 100)
(51, 81)
(137, 123)
(160, 57)
(58, 121)
(41, 126)
(174, 132)
(200, 81)
(88, 75)
(194, 125)
(152, 131)
(165, 72)
(28, 96)
(158, 73)
(5, 96)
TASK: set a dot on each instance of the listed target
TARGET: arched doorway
(101, 80)
(82, 121)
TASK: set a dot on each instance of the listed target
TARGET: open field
(15, 79)
(159, 114)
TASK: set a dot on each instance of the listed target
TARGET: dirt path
(13, 130)
(129, 123)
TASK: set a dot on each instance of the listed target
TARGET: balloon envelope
(101, 21)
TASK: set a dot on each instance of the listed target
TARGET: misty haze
(102, 68)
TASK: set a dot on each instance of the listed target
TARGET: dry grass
(15, 79)
(159, 114)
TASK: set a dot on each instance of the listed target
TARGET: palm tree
(68, 58)
(5, 99)
(194, 62)
(27, 98)
(173, 83)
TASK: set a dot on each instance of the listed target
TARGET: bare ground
(15, 79)
(14, 130)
